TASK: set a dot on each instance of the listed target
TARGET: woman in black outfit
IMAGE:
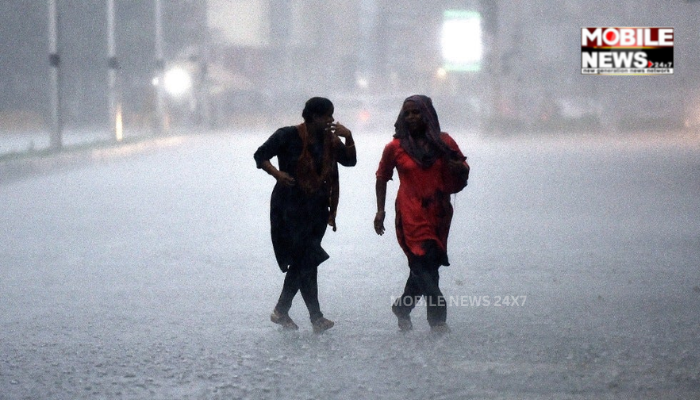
(304, 202)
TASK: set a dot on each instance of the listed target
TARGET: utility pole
(490, 10)
(56, 140)
(115, 115)
(160, 119)
(368, 53)
(205, 48)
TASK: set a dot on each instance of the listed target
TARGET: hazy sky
(241, 22)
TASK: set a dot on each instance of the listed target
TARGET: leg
(290, 288)
(309, 291)
(403, 305)
(411, 294)
(437, 307)
(280, 315)
(428, 279)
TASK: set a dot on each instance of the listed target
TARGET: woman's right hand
(280, 176)
(285, 179)
(379, 222)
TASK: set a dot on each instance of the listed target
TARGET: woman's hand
(380, 188)
(331, 222)
(379, 222)
(285, 179)
(459, 167)
(281, 176)
(340, 130)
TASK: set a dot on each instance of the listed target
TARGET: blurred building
(535, 70)
(291, 50)
(256, 58)
(530, 74)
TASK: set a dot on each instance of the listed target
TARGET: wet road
(575, 275)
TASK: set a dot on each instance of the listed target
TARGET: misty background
(145, 270)
(253, 63)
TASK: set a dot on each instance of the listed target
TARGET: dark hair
(316, 106)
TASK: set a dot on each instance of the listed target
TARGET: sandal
(322, 325)
(284, 320)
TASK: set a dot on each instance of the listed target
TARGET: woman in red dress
(430, 167)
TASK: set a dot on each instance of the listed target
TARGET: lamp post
(205, 48)
(160, 122)
(56, 136)
(115, 117)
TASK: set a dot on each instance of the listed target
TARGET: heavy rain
(135, 254)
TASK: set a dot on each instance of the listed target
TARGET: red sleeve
(451, 143)
(386, 165)
(455, 182)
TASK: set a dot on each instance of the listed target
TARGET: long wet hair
(437, 147)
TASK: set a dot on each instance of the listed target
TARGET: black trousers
(424, 280)
(304, 279)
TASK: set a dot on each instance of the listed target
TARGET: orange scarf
(308, 179)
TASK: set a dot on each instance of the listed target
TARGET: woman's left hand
(459, 167)
(340, 130)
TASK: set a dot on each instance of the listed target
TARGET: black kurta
(298, 220)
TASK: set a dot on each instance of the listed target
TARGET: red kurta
(423, 208)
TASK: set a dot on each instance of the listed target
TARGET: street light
(115, 115)
(177, 81)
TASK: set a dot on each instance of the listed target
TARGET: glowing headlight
(177, 81)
